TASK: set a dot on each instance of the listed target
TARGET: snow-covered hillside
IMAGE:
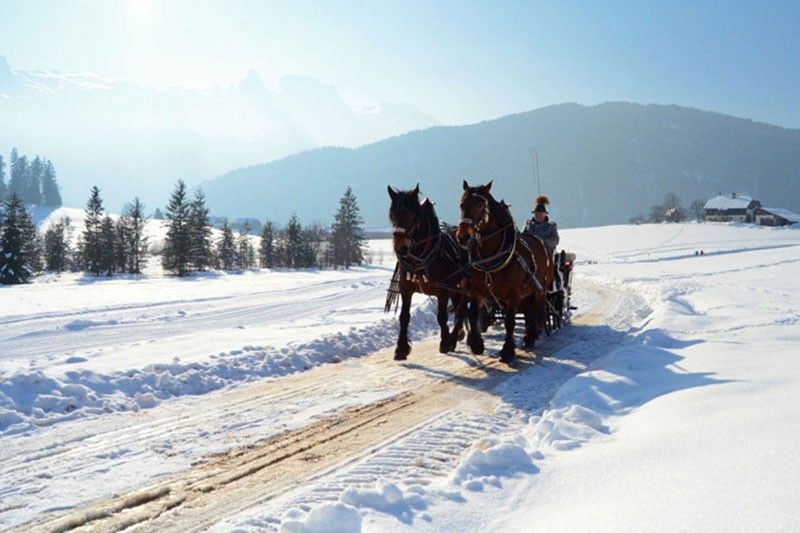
(673, 402)
(43, 217)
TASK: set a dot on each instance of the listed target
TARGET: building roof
(724, 202)
(791, 216)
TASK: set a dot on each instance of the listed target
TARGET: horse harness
(508, 250)
(438, 244)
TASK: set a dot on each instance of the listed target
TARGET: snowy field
(75, 344)
(672, 403)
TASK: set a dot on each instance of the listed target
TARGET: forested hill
(600, 164)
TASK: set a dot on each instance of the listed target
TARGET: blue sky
(460, 61)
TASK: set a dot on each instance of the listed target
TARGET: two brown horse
(505, 266)
(429, 262)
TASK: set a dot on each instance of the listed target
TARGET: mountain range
(600, 164)
(131, 139)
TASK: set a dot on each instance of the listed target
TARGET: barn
(775, 216)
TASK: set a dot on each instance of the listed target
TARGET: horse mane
(501, 210)
(429, 211)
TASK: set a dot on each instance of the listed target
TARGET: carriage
(559, 298)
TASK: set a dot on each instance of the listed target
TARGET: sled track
(433, 398)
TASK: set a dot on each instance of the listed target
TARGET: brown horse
(430, 262)
(503, 266)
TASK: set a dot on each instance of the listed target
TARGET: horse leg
(441, 317)
(475, 340)
(460, 306)
(507, 353)
(529, 306)
(545, 323)
(403, 347)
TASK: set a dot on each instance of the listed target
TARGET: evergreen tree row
(188, 245)
(106, 246)
(32, 181)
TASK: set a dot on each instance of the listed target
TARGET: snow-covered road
(72, 347)
(188, 454)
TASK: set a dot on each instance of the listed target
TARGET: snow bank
(387, 498)
(326, 518)
(490, 460)
(30, 399)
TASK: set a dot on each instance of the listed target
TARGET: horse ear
(488, 186)
(466, 185)
(416, 190)
(392, 192)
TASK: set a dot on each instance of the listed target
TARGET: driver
(540, 224)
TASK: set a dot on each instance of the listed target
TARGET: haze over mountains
(600, 164)
(132, 139)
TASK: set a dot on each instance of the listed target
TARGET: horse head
(475, 211)
(405, 214)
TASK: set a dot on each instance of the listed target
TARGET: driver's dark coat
(547, 231)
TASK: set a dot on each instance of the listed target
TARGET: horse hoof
(477, 347)
(510, 360)
(507, 354)
(529, 343)
(401, 353)
(448, 345)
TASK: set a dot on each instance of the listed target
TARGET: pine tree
(33, 247)
(246, 251)
(108, 246)
(310, 241)
(14, 267)
(177, 247)
(121, 238)
(33, 183)
(293, 242)
(56, 245)
(91, 251)
(77, 259)
(226, 247)
(2, 179)
(18, 175)
(157, 214)
(200, 231)
(134, 243)
(266, 249)
(51, 196)
(347, 236)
